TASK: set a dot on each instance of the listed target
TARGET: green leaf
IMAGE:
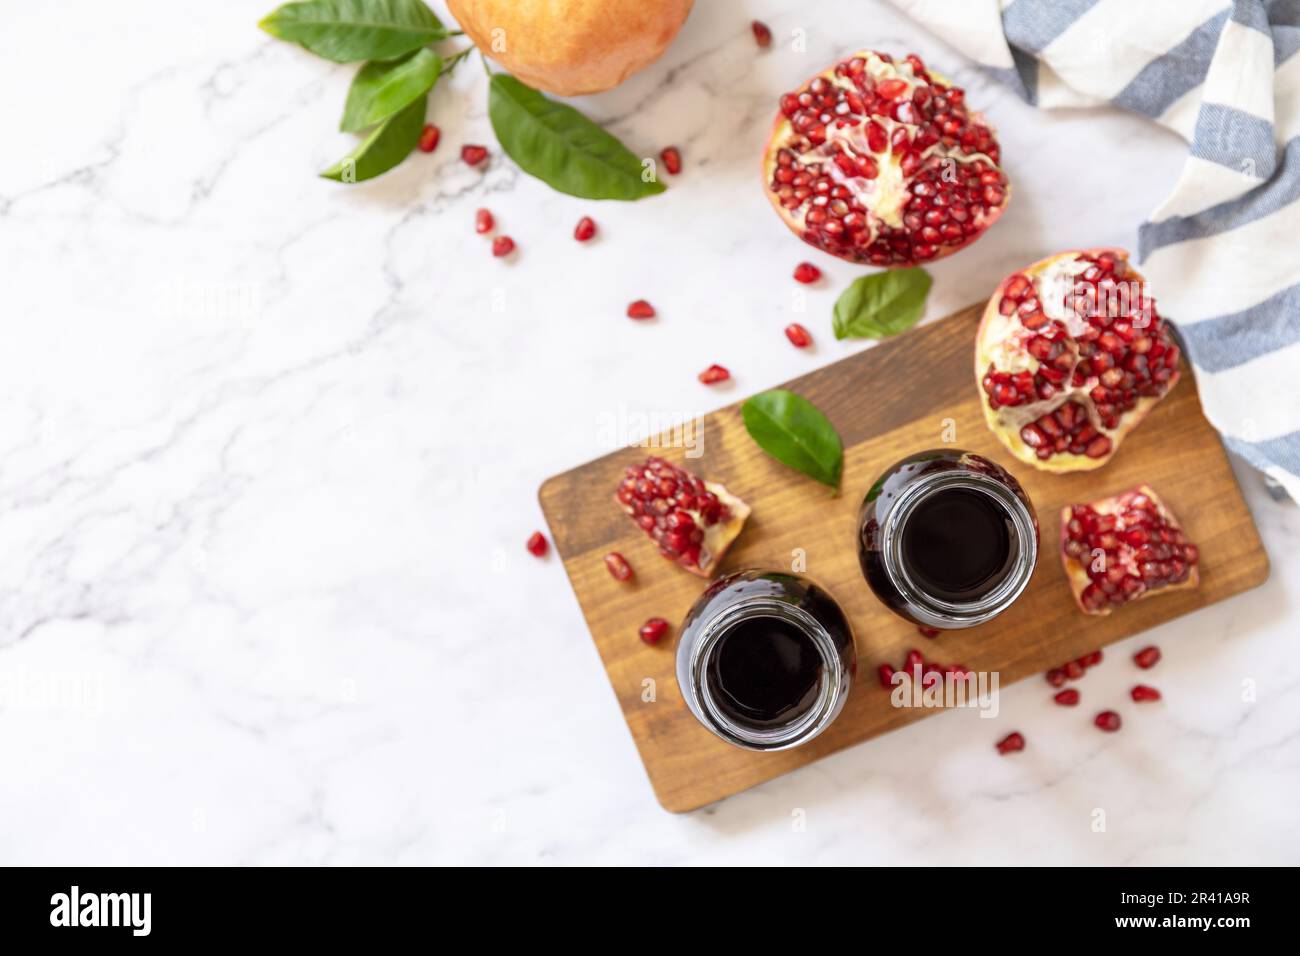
(563, 148)
(794, 431)
(882, 304)
(387, 145)
(346, 31)
(382, 88)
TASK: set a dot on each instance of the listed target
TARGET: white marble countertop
(269, 450)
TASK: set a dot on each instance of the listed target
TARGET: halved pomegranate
(691, 520)
(1123, 549)
(1071, 355)
(881, 162)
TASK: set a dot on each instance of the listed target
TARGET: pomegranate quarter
(879, 161)
(1123, 549)
(1071, 355)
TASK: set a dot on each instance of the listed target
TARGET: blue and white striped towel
(1225, 77)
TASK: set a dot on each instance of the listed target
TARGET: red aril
(1073, 670)
(807, 273)
(886, 677)
(1123, 549)
(1091, 660)
(1056, 676)
(1071, 355)
(473, 154)
(618, 566)
(692, 521)
(502, 246)
(1142, 693)
(928, 631)
(762, 33)
(799, 337)
(672, 158)
(1011, 743)
(585, 229)
(914, 661)
(429, 137)
(483, 221)
(653, 630)
(714, 374)
(640, 309)
(1147, 658)
(879, 161)
(537, 544)
(1067, 698)
(1108, 721)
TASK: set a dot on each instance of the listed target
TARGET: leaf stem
(454, 60)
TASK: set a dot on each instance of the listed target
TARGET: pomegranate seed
(1011, 743)
(1056, 676)
(1147, 657)
(886, 677)
(537, 544)
(1091, 660)
(640, 309)
(1074, 670)
(585, 229)
(807, 273)
(618, 566)
(1142, 692)
(1067, 698)
(914, 660)
(483, 221)
(429, 137)
(799, 337)
(1108, 721)
(502, 246)
(473, 154)
(672, 158)
(653, 630)
(714, 374)
(762, 35)
(927, 631)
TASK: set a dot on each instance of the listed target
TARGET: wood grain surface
(886, 402)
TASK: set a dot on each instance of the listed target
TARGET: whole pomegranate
(1071, 354)
(881, 162)
(571, 47)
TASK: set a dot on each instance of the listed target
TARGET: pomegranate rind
(1006, 422)
(783, 132)
(1077, 575)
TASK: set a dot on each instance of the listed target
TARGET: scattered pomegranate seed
(585, 229)
(653, 630)
(799, 337)
(1091, 660)
(914, 660)
(1011, 743)
(886, 677)
(537, 543)
(473, 154)
(714, 374)
(1142, 692)
(1056, 676)
(762, 34)
(1074, 670)
(807, 273)
(1067, 698)
(927, 631)
(502, 246)
(429, 138)
(618, 566)
(672, 158)
(640, 309)
(1147, 658)
(483, 221)
(1108, 721)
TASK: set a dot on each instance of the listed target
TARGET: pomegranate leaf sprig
(882, 304)
(389, 97)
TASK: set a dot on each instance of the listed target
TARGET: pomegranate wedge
(1123, 549)
(692, 521)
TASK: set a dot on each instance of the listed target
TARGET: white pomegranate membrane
(881, 162)
(1125, 548)
(1071, 355)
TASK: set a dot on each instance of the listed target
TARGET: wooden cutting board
(905, 395)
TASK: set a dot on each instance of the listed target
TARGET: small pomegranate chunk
(1070, 356)
(1142, 693)
(585, 229)
(502, 246)
(927, 631)
(1011, 743)
(483, 221)
(618, 566)
(429, 137)
(879, 161)
(640, 309)
(537, 544)
(691, 520)
(672, 158)
(1067, 698)
(1108, 721)
(1123, 549)
(807, 273)
(799, 337)
(762, 34)
(714, 374)
(1147, 658)
(473, 154)
(886, 677)
(653, 630)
